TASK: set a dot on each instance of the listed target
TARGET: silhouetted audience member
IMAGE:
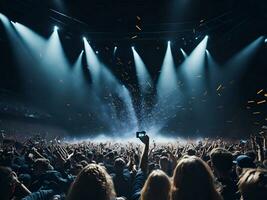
(93, 182)
(10, 186)
(41, 169)
(222, 165)
(156, 187)
(243, 162)
(193, 180)
(121, 178)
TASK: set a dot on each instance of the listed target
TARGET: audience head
(7, 182)
(191, 152)
(193, 180)
(164, 163)
(157, 186)
(221, 161)
(243, 162)
(119, 165)
(93, 182)
(41, 165)
(253, 184)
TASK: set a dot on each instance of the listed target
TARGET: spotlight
(265, 40)
(132, 47)
(169, 42)
(84, 38)
(55, 28)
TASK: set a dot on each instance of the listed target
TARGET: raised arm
(144, 158)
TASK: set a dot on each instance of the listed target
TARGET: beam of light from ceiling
(237, 65)
(108, 89)
(214, 72)
(56, 59)
(92, 61)
(55, 55)
(146, 86)
(57, 67)
(191, 70)
(32, 40)
(78, 81)
(168, 93)
(167, 82)
(27, 62)
(80, 89)
(143, 76)
(17, 46)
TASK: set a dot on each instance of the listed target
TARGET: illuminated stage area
(186, 74)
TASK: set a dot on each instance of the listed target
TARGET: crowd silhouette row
(209, 169)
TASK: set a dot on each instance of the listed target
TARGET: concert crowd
(209, 169)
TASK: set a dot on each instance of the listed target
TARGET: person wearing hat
(243, 162)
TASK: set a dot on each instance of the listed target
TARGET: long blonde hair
(157, 186)
(193, 180)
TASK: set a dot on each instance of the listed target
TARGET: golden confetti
(139, 18)
(251, 101)
(260, 91)
(135, 36)
(265, 95)
(261, 102)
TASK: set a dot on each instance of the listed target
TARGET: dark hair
(193, 180)
(251, 154)
(42, 164)
(222, 160)
(6, 184)
(93, 182)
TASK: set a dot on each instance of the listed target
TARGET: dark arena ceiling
(147, 25)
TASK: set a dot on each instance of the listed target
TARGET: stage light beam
(238, 64)
(92, 61)
(143, 75)
(193, 67)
